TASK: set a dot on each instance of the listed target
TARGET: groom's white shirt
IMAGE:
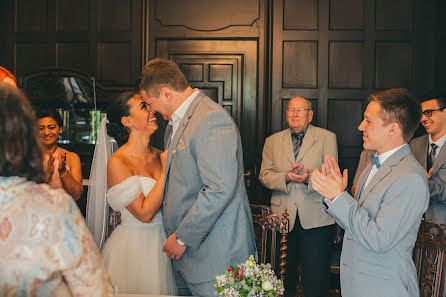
(178, 115)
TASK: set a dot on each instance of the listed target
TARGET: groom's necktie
(168, 136)
(431, 156)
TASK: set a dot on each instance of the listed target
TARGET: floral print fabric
(45, 246)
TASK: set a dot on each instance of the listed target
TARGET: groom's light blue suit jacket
(205, 200)
(381, 225)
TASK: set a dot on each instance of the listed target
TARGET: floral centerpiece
(248, 280)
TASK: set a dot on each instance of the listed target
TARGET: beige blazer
(278, 157)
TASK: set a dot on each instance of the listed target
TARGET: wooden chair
(267, 227)
(430, 259)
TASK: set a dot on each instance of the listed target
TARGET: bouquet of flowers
(248, 280)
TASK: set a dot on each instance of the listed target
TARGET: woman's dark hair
(20, 147)
(119, 108)
(50, 113)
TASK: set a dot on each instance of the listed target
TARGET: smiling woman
(62, 168)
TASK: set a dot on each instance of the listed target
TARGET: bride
(135, 176)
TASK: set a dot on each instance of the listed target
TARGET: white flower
(267, 286)
(230, 292)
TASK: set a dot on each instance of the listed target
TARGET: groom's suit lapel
(382, 172)
(184, 122)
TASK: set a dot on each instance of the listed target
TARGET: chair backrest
(267, 227)
(430, 259)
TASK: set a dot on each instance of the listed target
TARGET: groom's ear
(167, 94)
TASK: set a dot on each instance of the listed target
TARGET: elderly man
(288, 158)
(430, 152)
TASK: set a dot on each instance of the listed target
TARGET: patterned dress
(45, 246)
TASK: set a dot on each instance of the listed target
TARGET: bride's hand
(163, 158)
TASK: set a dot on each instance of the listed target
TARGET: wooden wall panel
(346, 68)
(344, 117)
(300, 14)
(223, 73)
(31, 56)
(207, 15)
(394, 15)
(300, 64)
(193, 72)
(32, 15)
(215, 75)
(115, 15)
(73, 16)
(442, 63)
(346, 14)
(115, 63)
(393, 65)
(74, 56)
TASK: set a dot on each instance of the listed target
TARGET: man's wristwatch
(180, 242)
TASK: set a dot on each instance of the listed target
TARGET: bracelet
(63, 174)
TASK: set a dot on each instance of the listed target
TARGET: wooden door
(220, 55)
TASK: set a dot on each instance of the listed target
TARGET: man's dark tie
(167, 136)
(431, 156)
(375, 160)
(297, 141)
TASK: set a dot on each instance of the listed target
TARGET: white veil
(97, 206)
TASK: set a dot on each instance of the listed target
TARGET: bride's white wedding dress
(133, 253)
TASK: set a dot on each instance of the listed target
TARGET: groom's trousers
(193, 289)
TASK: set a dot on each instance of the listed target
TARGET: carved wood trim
(249, 23)
(271, 224)
(430, 259)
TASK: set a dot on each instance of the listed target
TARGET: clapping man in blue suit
(381, 222)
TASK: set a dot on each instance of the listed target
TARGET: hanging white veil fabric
(97, 206)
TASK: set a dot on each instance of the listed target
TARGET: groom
(206, 211)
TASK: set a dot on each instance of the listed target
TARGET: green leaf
(243, 292)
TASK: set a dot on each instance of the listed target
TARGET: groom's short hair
(399, 105)
(159, 73)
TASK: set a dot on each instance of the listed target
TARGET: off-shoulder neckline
(130, 177)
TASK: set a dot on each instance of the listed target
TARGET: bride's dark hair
(119, 108)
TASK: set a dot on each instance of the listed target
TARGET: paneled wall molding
(102, 39)
(198, 15)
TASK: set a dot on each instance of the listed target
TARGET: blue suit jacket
(381, 225)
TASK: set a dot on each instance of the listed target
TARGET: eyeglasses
(428, 112)
(298, 110)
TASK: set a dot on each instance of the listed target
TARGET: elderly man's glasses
(428, 112)
(298, 110)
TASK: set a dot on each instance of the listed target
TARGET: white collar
(439, 142)
(179, 113)
(384, 156)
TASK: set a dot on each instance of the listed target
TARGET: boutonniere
(179, 147)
